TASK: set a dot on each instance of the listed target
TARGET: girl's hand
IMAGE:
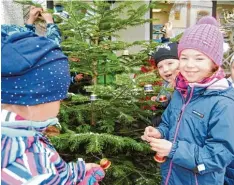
(153, 98)
(79, 77)
(161, 146)
(33, 14)
(89, 166)
(150, 132)
(47, 17)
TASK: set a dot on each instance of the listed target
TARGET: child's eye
(183, 58)
(199, 59)
(170, 63)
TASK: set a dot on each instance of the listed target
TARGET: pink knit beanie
(204, 37)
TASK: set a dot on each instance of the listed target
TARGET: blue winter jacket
(201, 130)
(229, 176)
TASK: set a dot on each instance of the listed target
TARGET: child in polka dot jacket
(32, 88)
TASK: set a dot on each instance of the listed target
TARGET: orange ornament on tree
(105, 163)
(159, 159)
(162, 98)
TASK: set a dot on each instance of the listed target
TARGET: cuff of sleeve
(72, 79)
(161, 132)
(50, 24)
(173, 149)
(168, 96)
(30, 26)
(81, 169)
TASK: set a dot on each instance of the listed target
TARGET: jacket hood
(18, 132)
(215, 87)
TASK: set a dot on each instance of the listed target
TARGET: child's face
(195, 66)
(232, 71)
(44, 111)
(168, 69)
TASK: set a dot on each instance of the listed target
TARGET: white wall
(137, 33)
(196, 6)
(11, 13)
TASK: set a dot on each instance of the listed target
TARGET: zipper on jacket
(177, 129)
(178, 119)
(196, 181)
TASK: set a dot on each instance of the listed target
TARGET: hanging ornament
(105, 163)
(148, 88)
(125, 52)
(162, 97)
(159, 159)
(93, 97)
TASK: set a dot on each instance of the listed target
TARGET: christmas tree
(108, 118)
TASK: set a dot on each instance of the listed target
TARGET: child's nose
(165, 68)
(190, 63)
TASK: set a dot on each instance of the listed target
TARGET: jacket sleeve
(69, 173)
(34, 161)
(164, 125)
(30, 27)
(73, 81)
(218, 150)
(93, 176)
(229, 175)
(53, 33)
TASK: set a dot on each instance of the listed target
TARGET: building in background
(181, 14)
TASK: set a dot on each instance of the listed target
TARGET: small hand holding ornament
(162, 147)
(152, 134)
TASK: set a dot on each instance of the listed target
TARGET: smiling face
(195, 66)
(168, 69)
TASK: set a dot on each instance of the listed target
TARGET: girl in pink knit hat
(196, 132)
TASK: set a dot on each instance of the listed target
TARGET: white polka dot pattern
(44, 82)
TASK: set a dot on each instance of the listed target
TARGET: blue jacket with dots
(201, 130)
